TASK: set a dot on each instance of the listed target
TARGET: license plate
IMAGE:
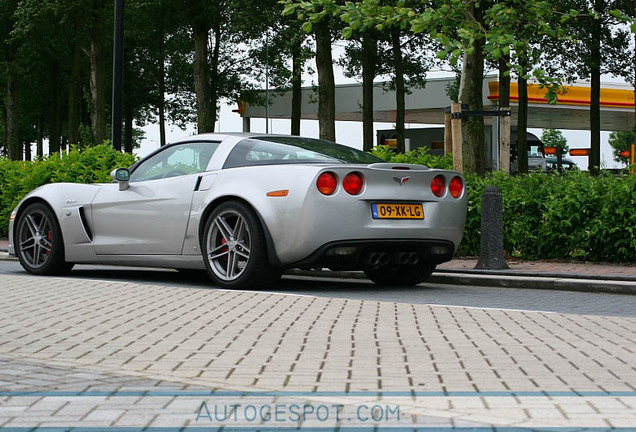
(397, 211)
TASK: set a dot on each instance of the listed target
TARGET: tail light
(353, 183)
(327, 183)
(438, 186)
(456, 187)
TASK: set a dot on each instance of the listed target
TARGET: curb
(4, 256)
(506, 280)
(560, 283)
(592, 284)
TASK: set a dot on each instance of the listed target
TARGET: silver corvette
(245, 207)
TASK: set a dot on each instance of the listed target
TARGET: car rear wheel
(39, 243)
(235, 249)
(405, 275)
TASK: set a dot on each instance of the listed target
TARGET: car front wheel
(235, 249)
(39, 243)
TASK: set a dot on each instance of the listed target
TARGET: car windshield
(293, 150)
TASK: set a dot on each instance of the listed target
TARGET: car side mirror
(122, 176)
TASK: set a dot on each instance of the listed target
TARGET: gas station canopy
(426, 106)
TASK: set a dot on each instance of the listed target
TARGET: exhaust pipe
(373, 259)
(401, 258)
(377, 259)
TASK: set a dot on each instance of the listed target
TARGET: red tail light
(327, 183)
(456, 187)
(438, 186)
(353, 183)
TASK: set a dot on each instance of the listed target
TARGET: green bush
(573, 216)
(420, 156)
(89, 165)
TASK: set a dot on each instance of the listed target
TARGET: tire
(234, 248)
(39, 243)
(408, 275)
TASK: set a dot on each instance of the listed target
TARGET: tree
(326, 80)
(405, 61)
(223, 38)
(9, 59)
(280, 42)
(621, 141)
(470, 30)
(321, 18)
(361, 59)
(554, 138)
(597, 46)
(99, 56)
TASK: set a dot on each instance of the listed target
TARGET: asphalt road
(360, 289)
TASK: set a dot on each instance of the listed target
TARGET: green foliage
(420, 156)
(554, 138)
(574, 216)
(621, 141)
(89, 165)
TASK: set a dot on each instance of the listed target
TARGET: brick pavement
(107, 344)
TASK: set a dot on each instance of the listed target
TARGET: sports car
(245, 207)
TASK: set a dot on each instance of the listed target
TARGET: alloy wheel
(228, 245)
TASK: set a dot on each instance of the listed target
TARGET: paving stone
(71, 334)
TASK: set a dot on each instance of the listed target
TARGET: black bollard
(491, 254)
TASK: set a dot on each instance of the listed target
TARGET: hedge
(89, 165)
(572, 216)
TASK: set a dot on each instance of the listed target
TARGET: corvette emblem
(401, 180)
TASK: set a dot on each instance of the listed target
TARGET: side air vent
(87, 228)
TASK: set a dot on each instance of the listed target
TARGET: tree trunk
(370, 49)
(595, 89)
(162, 92)
(55, 111)
(400, 90)
(214, 75)
(326, 82)
(504, 122)
(40, 146)
(522, 121)
(630, 8)
(14, 144)
(470, 92)
(74, 96)
(504, 82)
(98, 75)
(297, 80)
(205, 121)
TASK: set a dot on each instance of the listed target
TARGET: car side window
(174, 161)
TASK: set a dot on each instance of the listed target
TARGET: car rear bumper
(359, 254)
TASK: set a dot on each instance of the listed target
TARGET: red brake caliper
(49, 236)
(225, 249)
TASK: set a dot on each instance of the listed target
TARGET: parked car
(245, 207)
(566, 164)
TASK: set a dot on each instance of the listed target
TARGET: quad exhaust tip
(383, 259)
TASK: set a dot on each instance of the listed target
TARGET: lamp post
(118, 74)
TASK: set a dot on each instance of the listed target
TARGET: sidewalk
(131, 356)
(570, 276)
